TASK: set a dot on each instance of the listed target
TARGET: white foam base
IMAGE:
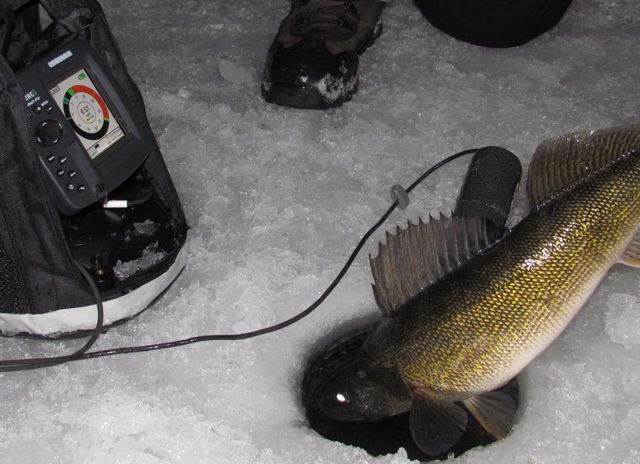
(70, 320)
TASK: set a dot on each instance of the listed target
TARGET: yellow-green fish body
(477, 329)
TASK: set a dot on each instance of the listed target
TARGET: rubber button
(51, 158)
(81, 188)
(49, 132)
(60, 172)
(71, 187)
(72, 174)
(62, 160)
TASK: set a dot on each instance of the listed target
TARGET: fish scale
(477, 328)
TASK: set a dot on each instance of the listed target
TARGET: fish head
(362, 393)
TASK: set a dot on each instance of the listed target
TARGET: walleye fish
(463, 316)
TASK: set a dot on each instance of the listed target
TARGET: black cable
(302, 314)
(82, 354)
(12, 365)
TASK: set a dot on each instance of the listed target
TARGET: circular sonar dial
(86, 111)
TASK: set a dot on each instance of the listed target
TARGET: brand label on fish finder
(88, 137)
(59, 59)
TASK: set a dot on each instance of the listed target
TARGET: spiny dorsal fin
(561, 162)
(422, 254)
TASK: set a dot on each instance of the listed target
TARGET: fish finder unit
(88, 136)
(74, 134)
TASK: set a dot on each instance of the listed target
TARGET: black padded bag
(38, 275)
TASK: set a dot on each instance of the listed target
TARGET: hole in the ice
(383, 437)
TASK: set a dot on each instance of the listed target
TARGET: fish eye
(342, 398)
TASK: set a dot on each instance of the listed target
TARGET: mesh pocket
(11, 295)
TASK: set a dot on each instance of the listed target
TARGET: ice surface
(622, 323)
(277, 198)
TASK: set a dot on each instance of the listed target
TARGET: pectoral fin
(436, 425)
(494, 410)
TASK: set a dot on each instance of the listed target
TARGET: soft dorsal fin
(560, 163)
(422, 254)
(631, 256)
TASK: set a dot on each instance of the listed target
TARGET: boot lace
(325, 17)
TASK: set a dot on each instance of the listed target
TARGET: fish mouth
(326, 404)
(365, 404)
(349, 417)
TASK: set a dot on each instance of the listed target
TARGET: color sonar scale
(87, 113)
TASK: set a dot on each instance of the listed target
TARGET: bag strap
(8, 10)
(13, 5)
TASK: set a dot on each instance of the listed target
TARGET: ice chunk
(184, 93)
(150, 256)
(234, 72)
(147, 227)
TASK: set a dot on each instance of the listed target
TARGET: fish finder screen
(87, 113)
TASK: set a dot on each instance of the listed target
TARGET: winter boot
(313, 60)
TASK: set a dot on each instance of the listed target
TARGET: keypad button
(60, 172)
(72, 174)
(49, 132)
(48, 109)
(62, 159)
(51, 158)
(81, 188)
(37, 109)
(71, 187)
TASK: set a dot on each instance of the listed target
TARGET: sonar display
(87, 113)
